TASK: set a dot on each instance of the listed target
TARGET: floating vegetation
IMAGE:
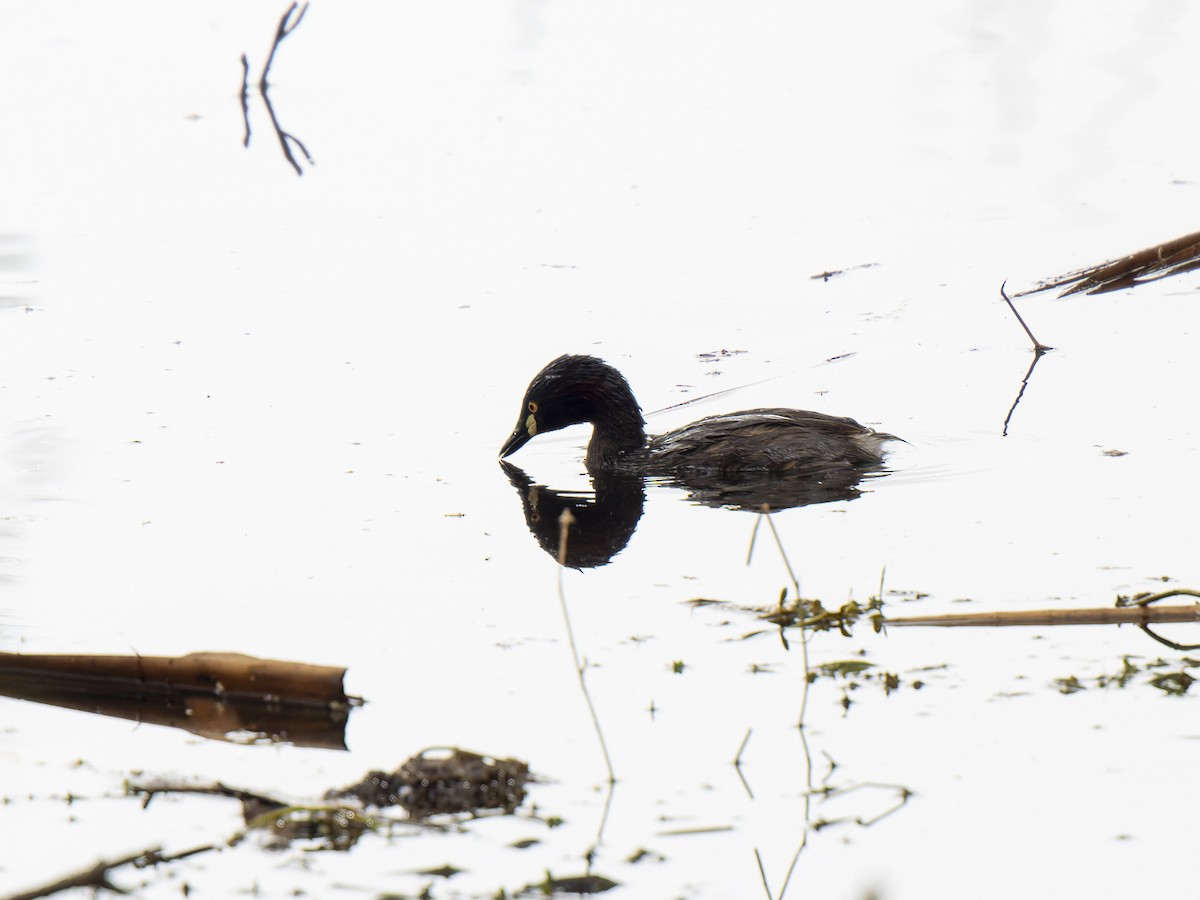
(854, 674)
(813, 615)
(1175, 681)
(1069, 685)
(845, 668)
(322, 827)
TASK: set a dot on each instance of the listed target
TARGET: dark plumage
(786, 442)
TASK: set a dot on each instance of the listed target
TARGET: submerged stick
(223, 676)
(214, 695)
(1108, 615)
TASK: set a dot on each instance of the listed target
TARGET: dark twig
(1021, 393)
(1038, 347)
(286, 26)
(1182, 648)
(285, 136)
(97, 876)
(246, 99)
(149, 790)
(1145, 601)
(281, 32)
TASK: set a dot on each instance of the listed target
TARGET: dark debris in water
(834, 273)
(449, 782)
(719, 354)
(325, 828)
(444, 782)
(446, 871)
(577, 884)
(813, 615)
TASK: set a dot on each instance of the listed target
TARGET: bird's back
(783, 441)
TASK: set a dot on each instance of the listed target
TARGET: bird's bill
(518, 439)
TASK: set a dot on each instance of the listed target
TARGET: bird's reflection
(755, 491)
(606, 517)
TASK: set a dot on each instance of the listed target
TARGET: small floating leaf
(1174, 683)
(845, 667)
(1069, 685)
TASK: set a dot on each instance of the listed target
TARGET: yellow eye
(533, 407)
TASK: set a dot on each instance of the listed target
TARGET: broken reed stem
(765, 513)
(803, 632)
(783, 553)
(762, 873)
(808, 797)
(753, 535)
(1170, 258)
(737, 759)
(565, 521)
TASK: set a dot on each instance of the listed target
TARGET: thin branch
(1038, 347)
(286, 26)
(765, 513)
(1021, 393)
(737, 759)
(246, 99)
(97, 876)
(762, 873)
(565, 521)
(753, 536)
(285, 137)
